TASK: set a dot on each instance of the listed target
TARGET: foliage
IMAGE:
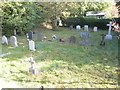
(63, 65)
(23, 15)
(91, 22)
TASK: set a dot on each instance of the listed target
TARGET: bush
(23, 15)
(91, 22)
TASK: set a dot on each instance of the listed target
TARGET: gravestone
(72, 39)
(85, 27)
(32, 69)
(86, 42)
(84, 35)
(102, 43)
(4, 40)
(13, 41)
(109, 36)
(5, 54)
(78, 27)
(31, 45)
(30, 35)
(71, 27)
(95, 29)
(39, 37)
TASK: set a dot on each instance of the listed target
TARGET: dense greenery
(63, 65)
(22, 15)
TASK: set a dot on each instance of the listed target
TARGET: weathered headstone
(13, 41)
(32, 69)
(84, 35)
(72, 39)
(109, 36)
(71, 27)
(78, 27)
(95, 29)
(86, 42)
(85, 27)
(39, 37)
(31, 45)
(30, 35)
(4, 40)
(102, 43)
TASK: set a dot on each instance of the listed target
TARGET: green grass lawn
(63, 65)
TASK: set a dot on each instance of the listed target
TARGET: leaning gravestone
(86, 42)
(4, 40)
(72, 39)
(31, 45)
(30, 35)
(85, 27)
(39, 37)
(109, 36)
(95, 29)
(13, 41)
(84, 35)
(78, 27)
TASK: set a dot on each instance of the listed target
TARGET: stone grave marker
(32, 69)
(71, 27)
(31, 45)
(4, 40)
(85, 27)
(72, 39)
(84, 35)
(30, 35)
(13, 41)
(78, 27)
(39, 36)
(86, 42)
(5, 54)
(95, 29)
(109, 36)
(102, 43)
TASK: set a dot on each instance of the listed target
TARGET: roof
(95, 13)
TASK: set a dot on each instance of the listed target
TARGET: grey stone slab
(13, 41)
(84, 35)
(86, 42)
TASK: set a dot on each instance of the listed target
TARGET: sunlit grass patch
(63, 65)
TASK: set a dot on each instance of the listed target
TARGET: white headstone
(85, 27)
(13, 41)
(95, 29)
(32, 45)
(78, 27)
(109, 36)
(4, 40)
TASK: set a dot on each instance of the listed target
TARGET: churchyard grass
(63, 65)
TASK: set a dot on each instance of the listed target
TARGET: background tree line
(26, 15)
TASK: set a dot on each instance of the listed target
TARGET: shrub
(91, 22)
(23, 15)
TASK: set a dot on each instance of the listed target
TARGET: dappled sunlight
(46, 25)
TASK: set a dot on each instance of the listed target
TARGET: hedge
(91, 22)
